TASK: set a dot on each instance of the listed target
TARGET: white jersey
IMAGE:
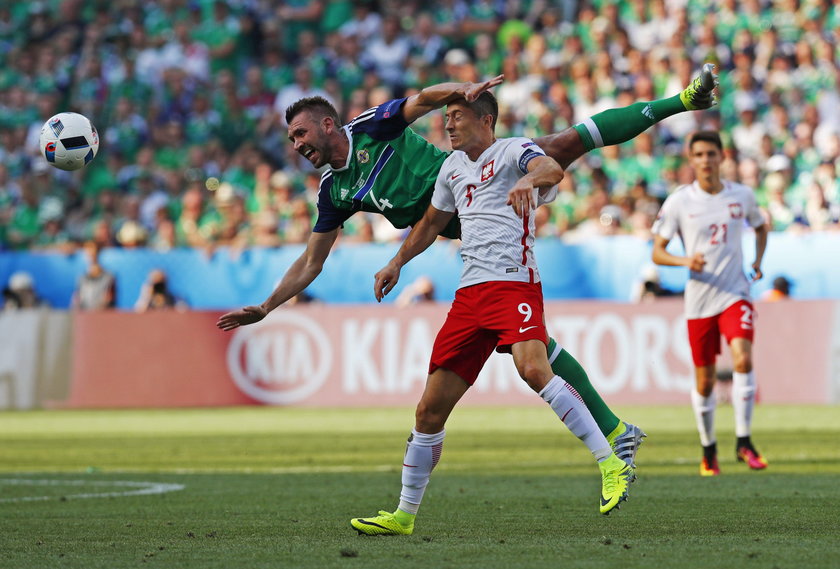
(496, 244)
(711, 224)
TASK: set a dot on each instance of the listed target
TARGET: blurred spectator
(184, 52)
(748, 133)
(221, 35)
(649, 287)
(421, 290)
(296, 16)
(19, 292)
(96, 289)
(302, 87)
(303, 297)
(388, 53)
(427, 45)
(24, 226)
(365, 23)
(163, 237)
(265, 230)
(231, 227)
(132, 235)
(544, 226)
(155, 294)
(182, 91)
(192, 227)
(781, 290)
(298, 226)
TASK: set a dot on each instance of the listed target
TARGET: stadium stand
(183, 91)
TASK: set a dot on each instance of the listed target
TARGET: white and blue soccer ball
(69, 141)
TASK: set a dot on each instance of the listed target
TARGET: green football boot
(616, 476)
(700, 94)
(383, 524)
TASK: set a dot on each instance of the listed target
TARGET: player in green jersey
(378, 164)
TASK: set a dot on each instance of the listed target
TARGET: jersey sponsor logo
(487, 171)
(527, 144)
(344, 193)
(282, 360)
(648, 112)
(523, 330)
(512, 270)
(363, 156)
(454, 176)
(736, 211)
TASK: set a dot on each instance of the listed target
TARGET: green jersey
(390, 169)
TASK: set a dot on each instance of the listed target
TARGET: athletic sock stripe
(592, 128)
(573, 391)
(554, 354)
(437, 450)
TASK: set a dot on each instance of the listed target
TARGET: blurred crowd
(183, 91)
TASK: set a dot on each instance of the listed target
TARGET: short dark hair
(316, 105)
(486, 104)
(782, 284)
(706, 136)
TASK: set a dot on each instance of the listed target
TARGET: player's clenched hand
(756, 272)
(473, 91)
(385, 281)
(237, 318)
(522, 197)
(697, 262)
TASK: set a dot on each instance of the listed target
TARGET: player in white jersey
(710, 216)
(493, 185)
(496, 242)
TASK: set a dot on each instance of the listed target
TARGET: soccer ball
(69, 141)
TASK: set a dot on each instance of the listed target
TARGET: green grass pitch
(273, 487)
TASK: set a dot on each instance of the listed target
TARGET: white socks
(569, 406)
(743, 400)
(704, 413)
(422, 453)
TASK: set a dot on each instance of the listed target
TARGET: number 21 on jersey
(718, 233)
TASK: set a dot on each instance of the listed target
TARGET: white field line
(134, 488)
(338, 469)
(289, 469)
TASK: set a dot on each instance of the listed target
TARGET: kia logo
(281, 360)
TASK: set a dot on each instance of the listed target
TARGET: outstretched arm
(302, 272)
(437, 96)
(421, 236)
